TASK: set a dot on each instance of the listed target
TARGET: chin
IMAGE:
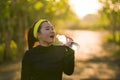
(51, 41)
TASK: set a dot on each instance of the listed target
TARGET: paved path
(92, 61)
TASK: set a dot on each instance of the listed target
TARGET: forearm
(69, 62)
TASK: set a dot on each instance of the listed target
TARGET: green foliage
(110, 10)
(115, 51)
(38, 5)
(1, 51)
(117, 37)
(111, 13)
(13, 47)
(4, 5)
(109, 38)
(18, 15)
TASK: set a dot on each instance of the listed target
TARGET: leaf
(38, 5)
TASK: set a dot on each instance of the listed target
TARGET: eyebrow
(49, 26)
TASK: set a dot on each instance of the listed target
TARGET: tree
(112, 11)
(18, 15)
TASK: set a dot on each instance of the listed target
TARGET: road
(93, 62)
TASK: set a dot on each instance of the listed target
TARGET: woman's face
(46, 34)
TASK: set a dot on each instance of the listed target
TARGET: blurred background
(94, 24)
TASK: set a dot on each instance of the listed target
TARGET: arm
(69, 61)
(25, 72)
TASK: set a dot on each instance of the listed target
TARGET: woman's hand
(68, 41)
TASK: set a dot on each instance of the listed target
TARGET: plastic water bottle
(67, 40)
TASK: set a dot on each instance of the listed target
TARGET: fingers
(69, 39)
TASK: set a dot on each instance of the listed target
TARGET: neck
(45, 44)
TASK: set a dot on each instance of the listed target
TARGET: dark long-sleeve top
(47, 63)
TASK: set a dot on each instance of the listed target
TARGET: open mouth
(52, 36)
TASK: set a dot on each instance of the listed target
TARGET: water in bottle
(67, 40)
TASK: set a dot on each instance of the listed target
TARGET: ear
(38, 35)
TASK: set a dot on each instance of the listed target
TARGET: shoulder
(26, 54)
(69, 50)
(63, 47)
(59, 46)
(29, 52)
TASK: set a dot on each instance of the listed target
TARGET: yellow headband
(37, 26)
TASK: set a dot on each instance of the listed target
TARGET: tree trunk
(21, 30)
(8, 36)
(21, 38)
(119, 37)
(114, 28)
(7, 51)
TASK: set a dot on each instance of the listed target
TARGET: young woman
(46, 61)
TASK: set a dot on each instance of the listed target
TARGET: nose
(52, 31)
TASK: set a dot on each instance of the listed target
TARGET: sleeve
(69, 61)
(25, 72)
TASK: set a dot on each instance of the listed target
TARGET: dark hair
(31, 38)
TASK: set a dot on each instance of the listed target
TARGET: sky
(84, 7)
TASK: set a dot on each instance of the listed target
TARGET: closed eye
(47, 29)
